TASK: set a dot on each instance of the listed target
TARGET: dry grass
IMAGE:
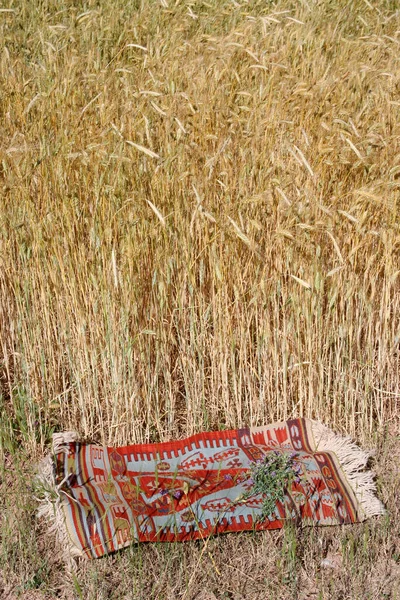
(199, 218)
(362, 562)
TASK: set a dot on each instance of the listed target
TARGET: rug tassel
(352, 460)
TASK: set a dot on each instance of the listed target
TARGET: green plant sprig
(271, 476)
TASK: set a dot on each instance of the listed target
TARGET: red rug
(188, 489)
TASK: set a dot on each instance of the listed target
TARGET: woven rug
(107, 498)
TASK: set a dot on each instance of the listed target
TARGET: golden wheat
(199, 216)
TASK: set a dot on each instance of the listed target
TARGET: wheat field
(199, 219)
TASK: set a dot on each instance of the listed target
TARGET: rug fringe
(352, 460)
(50, 500)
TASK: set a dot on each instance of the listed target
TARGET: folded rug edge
(353, 460)
(50, 501)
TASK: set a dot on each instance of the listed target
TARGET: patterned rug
(107, 498)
